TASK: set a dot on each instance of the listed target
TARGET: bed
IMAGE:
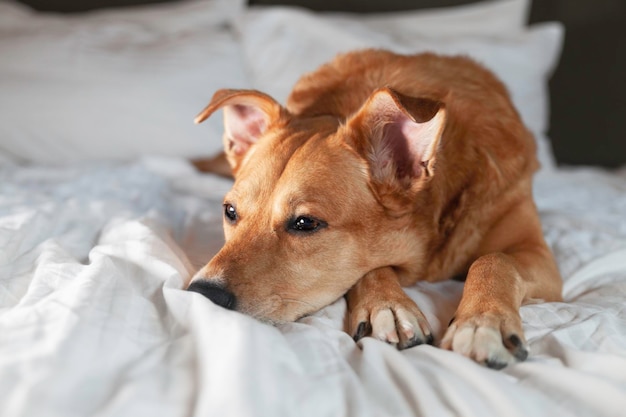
(103, 220)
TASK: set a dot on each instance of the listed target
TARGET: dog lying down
(381, 171)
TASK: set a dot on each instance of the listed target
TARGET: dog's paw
(400, 324)
(487, 339)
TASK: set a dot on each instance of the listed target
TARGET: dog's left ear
(248, 114)
(399, 136)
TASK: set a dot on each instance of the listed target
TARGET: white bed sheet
(93, 321)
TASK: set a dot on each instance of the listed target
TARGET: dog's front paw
(378, 307)
(403, 326)
(487, 338)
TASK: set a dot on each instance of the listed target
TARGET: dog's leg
(218, 164)
(487, 326)
(378, 306)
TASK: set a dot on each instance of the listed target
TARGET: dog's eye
(306, 224)
(230, 213)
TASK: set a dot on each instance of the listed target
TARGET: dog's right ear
(248, 114)
(399, 137)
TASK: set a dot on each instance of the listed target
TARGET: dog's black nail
(362, 330)
(416, 341)
(515, 340)
(519, 350)
(521, 354)
(493, 364)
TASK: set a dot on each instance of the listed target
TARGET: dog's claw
(517, 347)
(418, 339)
(362, 330)
(494, 364)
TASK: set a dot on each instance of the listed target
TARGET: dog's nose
(214, 292)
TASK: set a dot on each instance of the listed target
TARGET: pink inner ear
(397, 148)
(409, 144)
(244, 125)
(404, 133)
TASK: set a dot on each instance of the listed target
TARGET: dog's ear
(247, 116)
(399, 136)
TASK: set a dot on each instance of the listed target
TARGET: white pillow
(266, 31)
(115, 84)
(282, 44)
(487, 18)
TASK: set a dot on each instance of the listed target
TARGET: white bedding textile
(93, 321)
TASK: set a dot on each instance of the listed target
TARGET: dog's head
(317, 201)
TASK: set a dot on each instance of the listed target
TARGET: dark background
(588, 90)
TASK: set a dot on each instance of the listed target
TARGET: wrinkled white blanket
(93, 321)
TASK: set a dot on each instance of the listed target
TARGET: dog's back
(474, 97)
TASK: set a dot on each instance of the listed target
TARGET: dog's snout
(214, 292)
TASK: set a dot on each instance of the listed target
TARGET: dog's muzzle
(215, 293)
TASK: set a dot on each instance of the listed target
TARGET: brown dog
(383, 170)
